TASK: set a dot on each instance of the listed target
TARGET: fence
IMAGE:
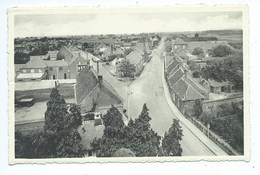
(221, 143)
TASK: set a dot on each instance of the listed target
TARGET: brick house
(184, 91)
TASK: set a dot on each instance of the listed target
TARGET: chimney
(185, 72)
(100, 78)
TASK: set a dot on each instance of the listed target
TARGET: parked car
(25, 101)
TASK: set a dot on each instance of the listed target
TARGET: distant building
(179, 44)
(69, 63)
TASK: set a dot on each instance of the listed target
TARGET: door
(65, 76)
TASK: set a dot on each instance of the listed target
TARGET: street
(148, 88)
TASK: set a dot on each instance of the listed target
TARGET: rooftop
(35, 62)
(30, 75)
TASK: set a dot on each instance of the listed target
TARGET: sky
(120, 23)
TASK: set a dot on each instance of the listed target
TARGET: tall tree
(171, 141)
(141, 139)
(60, 137)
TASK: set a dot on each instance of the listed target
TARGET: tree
(21, 58)
(137, 136)
(196, 35)
(198, 51)
(60, 137)
(23, 146)
(127, 69)
(141, 139)
(113, 138)
(197, 108)
(221, 51)
(171, 141)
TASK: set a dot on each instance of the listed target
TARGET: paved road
(148, 88)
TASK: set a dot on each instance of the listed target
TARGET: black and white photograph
(128, 84)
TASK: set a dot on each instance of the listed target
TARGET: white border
(129, 9)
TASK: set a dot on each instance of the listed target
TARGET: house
(179, 44)
(58, 69)
(213, 86)
(183, 95)
(70, 61)
(92, 89)
(76, 59)
(137, 60)
(34, 69)
(184, 90)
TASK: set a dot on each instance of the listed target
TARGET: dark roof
(185, 91)
(175, 77)
(195, 85)
(172, 65)
(35, 63)
(86, 81)
(168, 59)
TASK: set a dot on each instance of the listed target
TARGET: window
(60, 68)
(24, 70)
(51, 69)
(79, 63)
(40, 71)
(32, 70)
(33, 79)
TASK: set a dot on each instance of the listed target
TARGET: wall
(61, 73)
(44, 94)
(213, 104)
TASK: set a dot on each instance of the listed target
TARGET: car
(22, 102)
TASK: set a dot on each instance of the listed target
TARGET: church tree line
(60, 138)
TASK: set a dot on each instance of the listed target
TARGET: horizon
(87, 35)
(41, 25)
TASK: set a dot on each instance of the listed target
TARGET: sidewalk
(200, 135)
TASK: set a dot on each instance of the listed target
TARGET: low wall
(40, 95)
